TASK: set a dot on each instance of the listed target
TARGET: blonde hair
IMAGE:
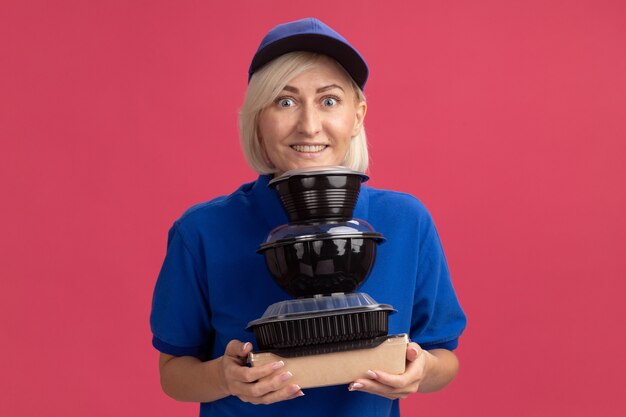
(265, 85)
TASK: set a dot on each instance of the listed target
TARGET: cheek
(343, 127)
(263, 128)
(271, 129)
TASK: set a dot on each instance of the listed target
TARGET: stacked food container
(328, 335)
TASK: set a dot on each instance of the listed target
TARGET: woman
(304, 107)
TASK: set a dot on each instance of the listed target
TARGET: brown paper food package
(340, 367)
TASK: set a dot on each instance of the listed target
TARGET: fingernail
(286, 376)
(355, 386)
(245, 346)
(278, 365)
(417, 352)
(300, 394)
(296, 388)
(372, 374)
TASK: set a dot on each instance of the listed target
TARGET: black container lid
(313, 171)
(304, 232)
(329, 305)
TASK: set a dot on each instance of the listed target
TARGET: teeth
(309, 148)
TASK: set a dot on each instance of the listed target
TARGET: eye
(330, 101)
(285, 102)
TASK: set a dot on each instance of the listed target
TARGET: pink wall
(507, 118)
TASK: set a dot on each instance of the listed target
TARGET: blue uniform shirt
(213, 283)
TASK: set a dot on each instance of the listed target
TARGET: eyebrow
(294, 90)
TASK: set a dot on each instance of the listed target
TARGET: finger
(413, 373)
(255, 373)
(401, 390)
(413, 351)
(390, 380)
(270, 384)
(237, 349)
(266, 386)
(375, 387)
(288, 392)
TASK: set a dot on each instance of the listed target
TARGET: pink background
(506, 118)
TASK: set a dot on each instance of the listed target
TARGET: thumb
(413, 351)
(236, 348)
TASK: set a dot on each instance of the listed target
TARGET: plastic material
(300, 232)
(322, 253)
(288, 309)
(321, 265)
(319, 193)
(321, 320)
(321, 349)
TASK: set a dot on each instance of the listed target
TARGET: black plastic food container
(318, 194)
(321, 320)
(308, 260)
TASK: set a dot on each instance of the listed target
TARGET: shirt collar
(268, 202)
(361, 210)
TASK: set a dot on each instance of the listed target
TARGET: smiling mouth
(308, 148)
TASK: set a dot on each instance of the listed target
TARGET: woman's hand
(425, 371)
(257, 385)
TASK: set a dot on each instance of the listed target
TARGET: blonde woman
(304, 107)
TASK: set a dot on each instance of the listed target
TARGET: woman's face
(312, 121)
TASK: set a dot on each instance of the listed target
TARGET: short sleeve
(180, 317)
(437, 320)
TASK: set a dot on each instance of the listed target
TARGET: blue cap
(311, 35)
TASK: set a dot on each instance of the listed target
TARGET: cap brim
(353, 63)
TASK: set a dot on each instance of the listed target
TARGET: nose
(309, 122)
